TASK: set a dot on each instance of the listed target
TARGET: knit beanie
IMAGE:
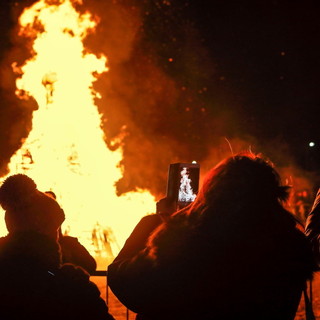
(27, 208)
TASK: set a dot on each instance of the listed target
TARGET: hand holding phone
(166, 206)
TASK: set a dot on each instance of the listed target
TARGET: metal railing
(103, 273)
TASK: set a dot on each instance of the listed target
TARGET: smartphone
(183, 183)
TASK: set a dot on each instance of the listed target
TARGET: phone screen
(183, 182)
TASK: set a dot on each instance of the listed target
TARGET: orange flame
(65, 151)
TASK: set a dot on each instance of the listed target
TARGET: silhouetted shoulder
(74, 252)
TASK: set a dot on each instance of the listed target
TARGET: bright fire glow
(65, 151)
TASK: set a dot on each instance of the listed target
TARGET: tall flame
(66, 151)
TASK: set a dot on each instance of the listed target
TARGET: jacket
(34, 285)
(253, 269)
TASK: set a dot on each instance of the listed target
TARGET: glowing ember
(65, 151)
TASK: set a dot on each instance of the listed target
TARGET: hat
(27, 208)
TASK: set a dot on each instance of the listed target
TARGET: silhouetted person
(33, 283)
(234, 253)
(312, 228)
(101, 239)
(72, 251)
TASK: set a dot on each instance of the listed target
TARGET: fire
(66, 151)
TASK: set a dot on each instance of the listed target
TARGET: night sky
(185, 75)
(264, 66)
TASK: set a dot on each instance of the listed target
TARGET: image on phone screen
(183, 182)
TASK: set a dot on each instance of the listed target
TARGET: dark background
(264, 65)
(187, 75)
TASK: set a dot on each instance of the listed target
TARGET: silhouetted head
(244, 181)
(27, 208)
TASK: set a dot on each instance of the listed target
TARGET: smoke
(15, 114)
(156, 92)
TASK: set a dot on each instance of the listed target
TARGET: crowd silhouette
(34, 283)
(234, 252)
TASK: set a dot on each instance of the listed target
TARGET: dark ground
(120, 312)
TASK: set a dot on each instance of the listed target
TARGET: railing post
(101, 273)
(107, 289)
